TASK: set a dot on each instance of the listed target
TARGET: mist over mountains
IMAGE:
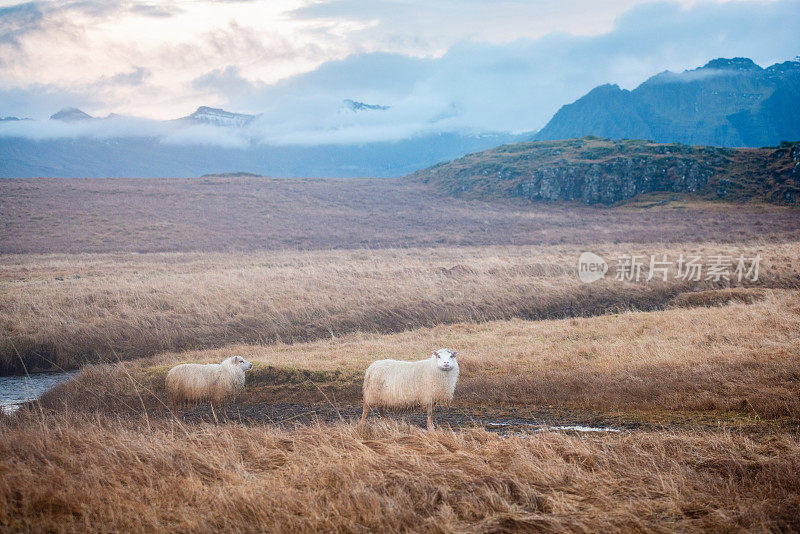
(727, 102)
(211, 140)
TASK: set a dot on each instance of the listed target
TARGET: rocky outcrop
(612, 181)
(785, 169)
(602, 171)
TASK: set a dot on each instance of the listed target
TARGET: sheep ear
(436, 353)
(454, 353)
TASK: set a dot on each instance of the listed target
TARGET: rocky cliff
(602, 171)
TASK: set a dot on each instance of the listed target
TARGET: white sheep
(190, 383)
(394, 383)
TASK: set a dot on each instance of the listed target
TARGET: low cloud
(226, 81)
(154, 10)
(691, 76)
(473, 87)
(169, 132)
(16, 21)
(135, 77)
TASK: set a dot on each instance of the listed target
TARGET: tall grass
(100, 474)
(741, 359)
(62, 311)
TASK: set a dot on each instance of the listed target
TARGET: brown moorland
(72, 473)
(248, 213)
(702, 377)
(58, 311)
(738, 361)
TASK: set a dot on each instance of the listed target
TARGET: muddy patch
(504, 421)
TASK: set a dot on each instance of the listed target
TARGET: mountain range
(218, 117)
(149, 156)
(727, 102)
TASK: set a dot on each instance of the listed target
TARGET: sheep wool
(425, 383)
(191, 383)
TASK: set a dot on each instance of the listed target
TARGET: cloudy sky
(471, 64)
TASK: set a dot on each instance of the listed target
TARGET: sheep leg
(430, 417)
(364, 414)
(214, 413)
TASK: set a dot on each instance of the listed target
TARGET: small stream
(17, 390)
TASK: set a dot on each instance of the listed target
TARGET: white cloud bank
(474, 86)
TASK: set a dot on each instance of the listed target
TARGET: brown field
(314, 279)
(72, 474)
(57, 311)
(243, 214)
(719, 385)
(737, 361)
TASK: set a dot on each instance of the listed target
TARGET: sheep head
(445, 359)
(239, 362)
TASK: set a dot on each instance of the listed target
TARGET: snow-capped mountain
(70, 115)
(356, 106)
(213, 140)
(218, 117)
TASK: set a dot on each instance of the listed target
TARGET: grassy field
(87, 474)
(313, 280)
(57, 311)
(715, 388)
(244, 214)
(739, 359)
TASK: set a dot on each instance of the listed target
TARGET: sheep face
(240, 362)
(445, 359)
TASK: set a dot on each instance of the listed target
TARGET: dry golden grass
(60, 311)
(737, 359)
(101, 453)
(71, 474)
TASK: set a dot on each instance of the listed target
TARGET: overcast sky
(469, 64)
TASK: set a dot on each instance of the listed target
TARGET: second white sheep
(190, 383)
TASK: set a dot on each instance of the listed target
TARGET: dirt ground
(510, 421)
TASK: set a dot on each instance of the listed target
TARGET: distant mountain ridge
(604, 171)
(70, 115)
(145, 155)
(726, 102)
(218, 117)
